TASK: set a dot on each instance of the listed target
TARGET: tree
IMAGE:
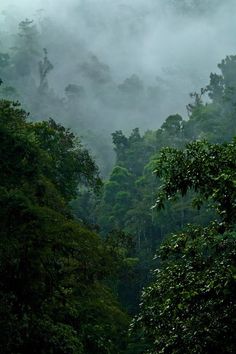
(132, 86)
(45, 66)
(221, 88)
(208, 169)
(96, 71)
(70, 164)
(26, 50)
(190, 307)
(53, 271)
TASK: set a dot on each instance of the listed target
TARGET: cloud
(176, 42)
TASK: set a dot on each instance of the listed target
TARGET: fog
(134, 62)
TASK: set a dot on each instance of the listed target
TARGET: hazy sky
(145, 37)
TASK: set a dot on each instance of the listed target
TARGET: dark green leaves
(190, 306)
(52, 270)
(207, 169)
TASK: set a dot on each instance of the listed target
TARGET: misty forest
(117, 177)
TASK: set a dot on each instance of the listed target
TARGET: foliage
(67, 305)
(208, 169)
(26, 48)
(190, 306)
(53, 292)
(70, 164)
(126, 202)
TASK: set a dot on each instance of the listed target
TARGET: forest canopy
(118, 189)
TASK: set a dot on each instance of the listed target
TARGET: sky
(165, 42)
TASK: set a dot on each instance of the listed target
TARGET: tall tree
(53, 271)
(190, 306)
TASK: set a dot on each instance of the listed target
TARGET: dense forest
(114, 240)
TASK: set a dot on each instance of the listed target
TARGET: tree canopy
(54, 272)
(190, 306)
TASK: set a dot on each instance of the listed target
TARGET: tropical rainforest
(114, 238)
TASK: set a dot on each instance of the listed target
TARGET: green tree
(70, 164)
(190, 307)
(53, 292)
(208, 169)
